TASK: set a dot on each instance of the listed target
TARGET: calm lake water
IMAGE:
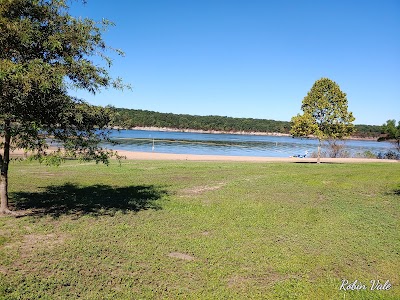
(229, 144)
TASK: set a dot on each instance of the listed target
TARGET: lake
(229, 144)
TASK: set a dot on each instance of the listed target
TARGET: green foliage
(142, 118)
(128, 118)
(325, 113)
(303, 125)
(367, 131)
(392, 133)
(46, 51)
(366, 154)
(53, 159)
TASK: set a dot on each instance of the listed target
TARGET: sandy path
(192, 157)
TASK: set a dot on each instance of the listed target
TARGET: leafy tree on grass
(392, 133)
(325, 115)
(44, 52)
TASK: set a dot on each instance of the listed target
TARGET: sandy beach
(131, 155)
(193, 157)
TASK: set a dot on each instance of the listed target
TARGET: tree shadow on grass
(96, 200)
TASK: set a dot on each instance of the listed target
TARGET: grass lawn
(198, 230)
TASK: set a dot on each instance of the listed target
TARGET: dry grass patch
(268, 280)
(32, 242)
(182, 256)
(199, 190)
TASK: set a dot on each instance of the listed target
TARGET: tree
(44, 53)
(392, 133)
(325, 114)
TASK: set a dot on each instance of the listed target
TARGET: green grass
(197, 230)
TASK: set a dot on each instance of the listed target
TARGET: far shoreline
(255, 133)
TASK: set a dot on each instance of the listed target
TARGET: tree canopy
(45, 53)
(325, 113)
(392, 133)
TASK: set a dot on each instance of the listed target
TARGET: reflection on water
(228, 144)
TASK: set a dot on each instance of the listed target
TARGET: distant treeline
(129, 118)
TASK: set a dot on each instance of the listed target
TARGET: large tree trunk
(4, 160)
(4, 194)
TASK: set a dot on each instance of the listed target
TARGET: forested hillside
(129, 118)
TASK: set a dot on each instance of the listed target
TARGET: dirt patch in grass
(268, 280)
(181, 178)
(198, 190)
(28, 248)
(32, 242)
(43, 173)
(182, 256)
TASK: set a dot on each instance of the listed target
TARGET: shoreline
(256, 133)
(168, 129)
(136, 155)
(131, 155)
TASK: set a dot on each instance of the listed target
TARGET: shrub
(389, 155)
(366, 154)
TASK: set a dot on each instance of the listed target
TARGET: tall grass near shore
(199, 230)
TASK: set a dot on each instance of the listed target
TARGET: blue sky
(252, 58)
